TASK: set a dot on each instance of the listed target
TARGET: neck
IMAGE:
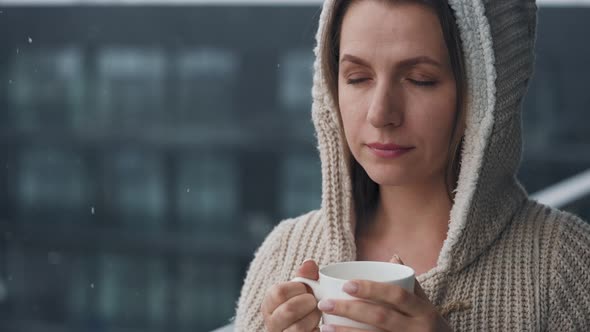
(420, 211)
(411, 221)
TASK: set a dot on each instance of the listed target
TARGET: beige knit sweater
(508, 263)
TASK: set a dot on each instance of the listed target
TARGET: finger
(419, 291)
(309, 269)
(281, 293)
(391, 295)
(417, 288)
(365, 312)
(338, 328)
(307, 323)
(292, 311)
(396, 259)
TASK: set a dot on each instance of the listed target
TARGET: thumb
(417, 288)
(309, 269)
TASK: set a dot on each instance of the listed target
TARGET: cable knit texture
(508, 263)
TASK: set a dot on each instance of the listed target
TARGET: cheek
(436, 125)
(352, 114)
(348, 124)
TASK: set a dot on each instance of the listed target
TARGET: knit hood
(498, 41)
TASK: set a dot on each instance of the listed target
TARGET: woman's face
(396, 91)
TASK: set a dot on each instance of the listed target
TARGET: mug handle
(315, 286)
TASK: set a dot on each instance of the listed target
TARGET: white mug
(334, 276)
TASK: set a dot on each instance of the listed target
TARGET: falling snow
(188, 190)
(92, 209)
(9, 81)
(30, 40)
(92, 286)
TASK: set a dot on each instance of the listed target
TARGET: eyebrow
(404, 63)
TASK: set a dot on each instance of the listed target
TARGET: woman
(417, 113)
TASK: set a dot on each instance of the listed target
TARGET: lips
(389, 150)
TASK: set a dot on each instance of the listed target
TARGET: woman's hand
(290, 306)
(391, 308)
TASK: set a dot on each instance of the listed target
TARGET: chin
(389, 177)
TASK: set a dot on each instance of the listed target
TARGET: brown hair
(364, 190)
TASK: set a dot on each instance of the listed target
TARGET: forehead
(373, 26)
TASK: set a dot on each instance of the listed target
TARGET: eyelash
(415, 82)
(423, 83)
(355, 81)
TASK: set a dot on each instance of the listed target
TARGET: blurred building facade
(145, 152)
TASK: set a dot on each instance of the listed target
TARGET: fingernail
(326, 305)
(307, 260)
(350, 287)
(396, 259)
(327, 328)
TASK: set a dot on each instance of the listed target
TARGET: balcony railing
(565, 192)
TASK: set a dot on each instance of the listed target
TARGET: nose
(385, 107)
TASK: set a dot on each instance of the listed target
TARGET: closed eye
(356, 81)
(422, 83)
